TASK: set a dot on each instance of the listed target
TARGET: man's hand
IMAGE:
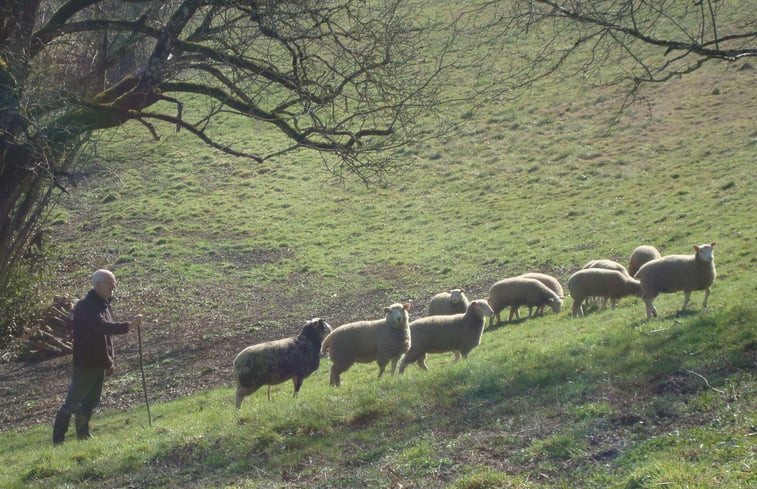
(136, 322)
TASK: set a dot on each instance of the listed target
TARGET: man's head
(104, 283)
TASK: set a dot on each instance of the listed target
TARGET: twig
(705, 381)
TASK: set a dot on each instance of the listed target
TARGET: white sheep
(517, 291)
(438, 334)
(678, 272)
(452, 301)
(550, 282)
(600, 282)
(606, 264)
(381, 340)
(640, 256)
(274, 362)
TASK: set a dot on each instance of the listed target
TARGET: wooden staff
(142, 369)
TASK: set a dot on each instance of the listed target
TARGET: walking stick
(142, 369)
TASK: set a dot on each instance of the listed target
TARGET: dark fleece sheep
(277, 361)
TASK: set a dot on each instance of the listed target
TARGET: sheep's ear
(386, 309)
(696, 248)
(406, 306)
(713, 243)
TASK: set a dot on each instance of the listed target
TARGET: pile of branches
(50, 336)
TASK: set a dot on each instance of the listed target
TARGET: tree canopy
(345, 78)
(642, 41)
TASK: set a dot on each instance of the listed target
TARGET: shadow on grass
(710, 346)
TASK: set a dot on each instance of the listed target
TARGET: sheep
(518, 291)
(274, 362)
(452, 301)
(382, 340)
(599, 282)
(672, 273)
(640, 256)
(550, 282)
(606, 264)
(438, 334)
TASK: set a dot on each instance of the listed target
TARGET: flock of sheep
(455, 324)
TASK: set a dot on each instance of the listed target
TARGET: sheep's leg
(269, 392)
(422, 362)
(706, 296)
(394, 364)
(457, 355)
(578, 311)
(604, 304)
(382, 366)
(514, 312)
(614, 303)
(651, 311)
(686, 297)
(334, 380)
(403, 364)
(297, 384)
(530, 308)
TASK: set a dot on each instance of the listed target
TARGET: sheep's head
(482, 308)
(316, 330)
(456, 296)
(555, 304)
(705, 252)
(397, 315)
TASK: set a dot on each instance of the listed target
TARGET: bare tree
(644, 41)
(346, 78)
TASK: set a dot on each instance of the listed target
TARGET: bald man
(93, 355)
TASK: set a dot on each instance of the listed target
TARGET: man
(93, 355)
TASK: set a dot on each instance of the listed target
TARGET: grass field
(199, 240)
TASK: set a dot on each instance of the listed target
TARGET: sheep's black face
(316, 330)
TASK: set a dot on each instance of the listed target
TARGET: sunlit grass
(542, 182)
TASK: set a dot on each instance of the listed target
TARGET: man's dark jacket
(93, 325)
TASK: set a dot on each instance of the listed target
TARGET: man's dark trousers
(82, 399)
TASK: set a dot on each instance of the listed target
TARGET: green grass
(538, 183)
(599, 402)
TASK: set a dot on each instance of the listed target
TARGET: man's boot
(60, 427)
(82, 425)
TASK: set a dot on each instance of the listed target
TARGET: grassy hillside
(218, 253)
